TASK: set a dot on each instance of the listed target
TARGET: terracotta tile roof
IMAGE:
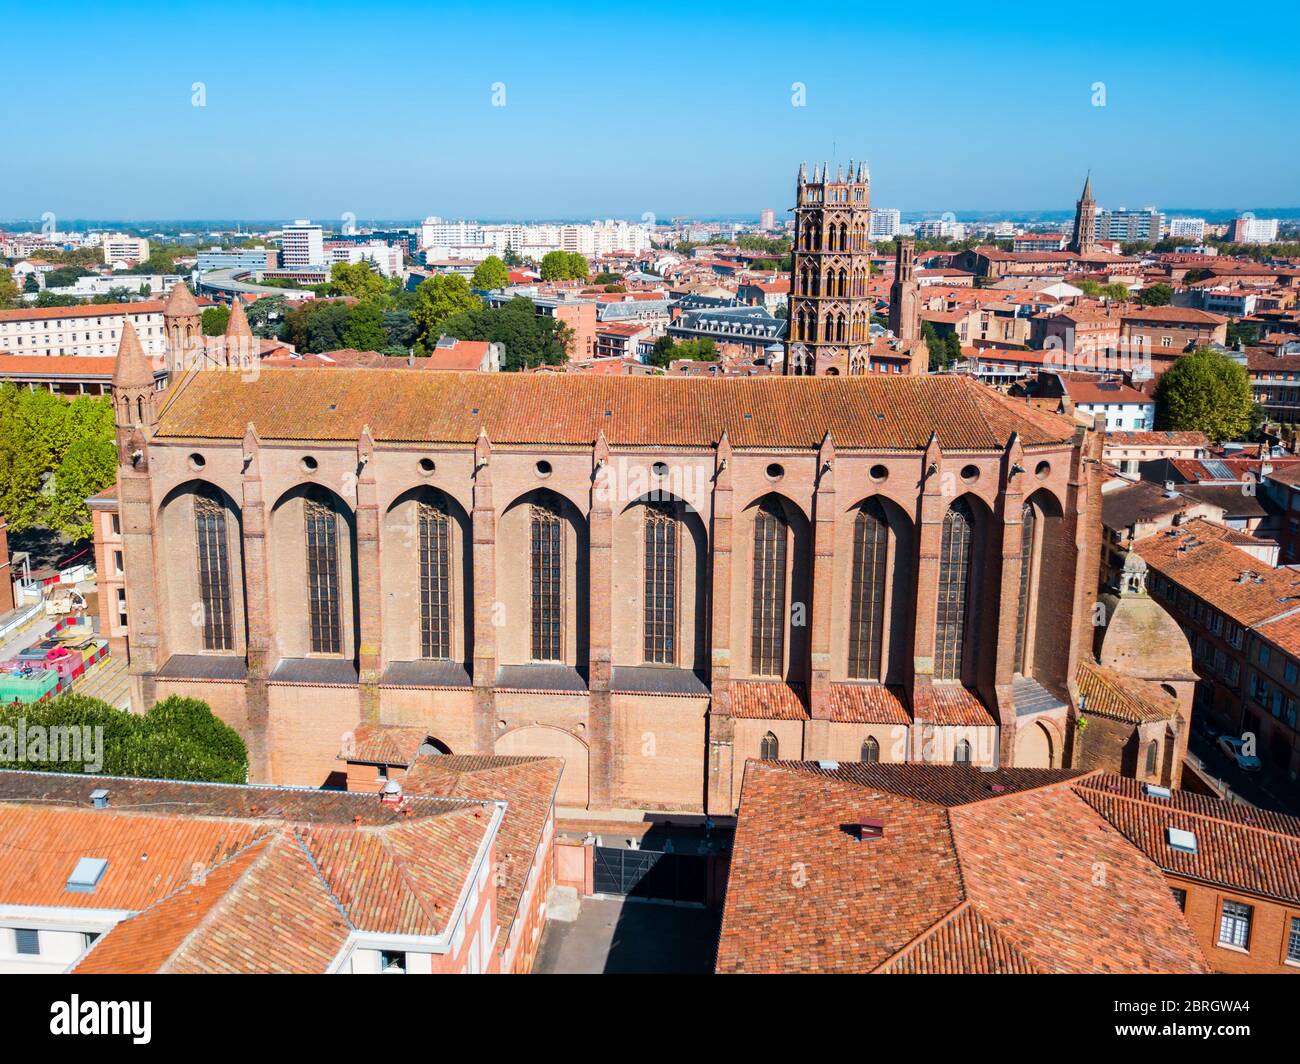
(952, 705)
(90, 310)
(1119, 697)
(383, 744)
(1198, 557)
(237, 878)
(1156, 439)
(768, 700)
(1174, 316)
(868, 703)
(870, 411)
(1255, 851)
(58, 366)
(964, 943)
(527, 785)
(963, 879)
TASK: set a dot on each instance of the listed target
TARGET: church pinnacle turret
(1084, 240)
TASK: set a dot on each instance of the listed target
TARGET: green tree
(1115, 291)
(178, 739)
(564, 266)
(318, 325)
(490, 274)
(214, 320)
(666, 350)
(358, 280)
(365, 328)
(10, 296)
(1156, 295)
(88, 467)
(607, 278)
(1204, 392)
(529, 339)
(437, 299)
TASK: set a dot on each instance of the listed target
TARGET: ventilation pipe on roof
(99, 798)
(392, 793)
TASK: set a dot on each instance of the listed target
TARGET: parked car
(1233, 747)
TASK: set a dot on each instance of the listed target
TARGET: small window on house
(962, 754)
(1153, 753)
(1293, 941)
(871, 751)
(1234, 924)
(27, 942)
(1180, 898)
(392, 962)
(769, 748)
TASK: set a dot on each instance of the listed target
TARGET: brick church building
(652, 579)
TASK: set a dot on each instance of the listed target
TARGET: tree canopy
(437, 299)
(54, 453)
(564, 266)
(530, 339)
(178, 739)
(214, 320)
(1207, 392)
(490, 274)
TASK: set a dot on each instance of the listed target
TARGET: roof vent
(870, 828)
(392, 793)
(86, 875)
(1152, 791)
(1181, 840)
(99, 798)
(829, 766)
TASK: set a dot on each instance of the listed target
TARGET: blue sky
(385, 109)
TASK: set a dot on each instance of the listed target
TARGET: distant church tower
(830, 310)
(904, 316)
(1084, 241)
(183, 327)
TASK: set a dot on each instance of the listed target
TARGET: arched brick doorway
(1034, 747)
(541, 741)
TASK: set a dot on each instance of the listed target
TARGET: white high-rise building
(1251, 230)
(1187, 228)
(884, 223)
(302, 244)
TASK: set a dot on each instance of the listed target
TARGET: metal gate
(650, 874)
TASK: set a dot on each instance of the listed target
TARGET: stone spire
(239, 339)
(133, 368)
(1084, 240)
(180, 302)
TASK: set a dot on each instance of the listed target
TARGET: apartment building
(118, 247)
(94, 330)
(302, 244)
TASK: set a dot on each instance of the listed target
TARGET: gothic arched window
(435, 582)
(660, 611)
(1153, 752)
(961, 755)
(547, 582)
(214, 573)
(769, 748)
(768, 634)
(954, 590)
(870, 750)
(323, 576)
(867, 592)
(1028, 526)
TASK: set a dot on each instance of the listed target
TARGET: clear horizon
(407, 111)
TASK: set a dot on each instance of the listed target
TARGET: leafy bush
(179, 739)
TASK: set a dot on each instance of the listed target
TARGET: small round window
(879, 473)
(1042, 470)
(659, 469)
(309, 464)
(775, 471)
(427, 466)
(970, 473)
(543, 468)
(197, 461)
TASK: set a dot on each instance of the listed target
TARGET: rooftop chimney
(99, 798)
(392, 793)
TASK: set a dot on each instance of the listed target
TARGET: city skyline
(461, 132)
